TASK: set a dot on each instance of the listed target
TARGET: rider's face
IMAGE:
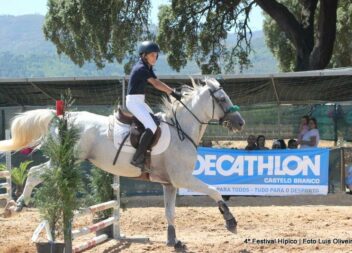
(151, 58)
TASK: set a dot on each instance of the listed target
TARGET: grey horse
(187, 121)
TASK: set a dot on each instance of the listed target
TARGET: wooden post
(116, 211)
(335, 125)
(343, 170)
(2, 134)
(123, 93)
(8, 154)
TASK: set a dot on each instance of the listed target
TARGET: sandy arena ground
(290, 221)
(296, 224)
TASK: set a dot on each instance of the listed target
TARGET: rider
(141, 74)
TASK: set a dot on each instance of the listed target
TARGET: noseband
(182, 135)
(233, 108)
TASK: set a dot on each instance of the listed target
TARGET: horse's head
(222, 108)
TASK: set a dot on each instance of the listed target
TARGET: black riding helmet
(147, 47)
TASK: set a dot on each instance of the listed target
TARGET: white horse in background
(174, 166)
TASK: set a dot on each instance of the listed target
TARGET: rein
(175, 123)
(233, 108)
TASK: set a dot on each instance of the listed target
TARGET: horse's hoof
(179, 246)
(170, 243)
(19, 207)
(171, 236)
(231, 225)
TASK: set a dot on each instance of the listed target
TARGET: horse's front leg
(197, 185)
(170, 200)
(33, 179)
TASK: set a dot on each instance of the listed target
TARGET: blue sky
(21, 7)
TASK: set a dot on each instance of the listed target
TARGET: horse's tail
(27, 128)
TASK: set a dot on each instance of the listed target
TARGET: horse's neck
(190, 124)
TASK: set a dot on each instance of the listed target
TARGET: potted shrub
(57, 198)
(50, 208)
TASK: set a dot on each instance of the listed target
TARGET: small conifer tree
(57, 198)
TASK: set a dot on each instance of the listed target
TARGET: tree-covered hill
(25, 53)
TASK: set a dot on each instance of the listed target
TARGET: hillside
(24, 52)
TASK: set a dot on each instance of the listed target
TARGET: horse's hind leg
(197, 185)
(169, 200)
(33, 179)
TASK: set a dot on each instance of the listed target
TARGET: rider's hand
(177, 95)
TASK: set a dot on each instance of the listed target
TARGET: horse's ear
(211, 82)
(204, 81)
(193, 82)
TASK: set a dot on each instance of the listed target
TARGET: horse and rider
(186, 117)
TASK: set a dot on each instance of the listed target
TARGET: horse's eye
(222, 99)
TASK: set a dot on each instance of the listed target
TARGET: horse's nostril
(241, 123)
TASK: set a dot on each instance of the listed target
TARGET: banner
(263, 172)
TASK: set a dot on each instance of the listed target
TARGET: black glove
(177, 95)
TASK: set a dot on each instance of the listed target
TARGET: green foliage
(57, 199)
(2, 167)
(19, 174)
(280, 46)
(285, 52)
(277, 40)
(23, 34)
(104, 31)
(102, 190)
(97, 31)
(40, 64)
(199, 30)
(48, 200)
(38, 58)
(343, 46)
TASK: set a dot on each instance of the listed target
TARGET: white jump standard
(114, 221)
(7, 175)
(95, 227)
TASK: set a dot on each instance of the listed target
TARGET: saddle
(137, 128)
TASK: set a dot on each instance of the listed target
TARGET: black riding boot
(139, 157)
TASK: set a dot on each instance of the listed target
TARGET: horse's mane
(188, 93)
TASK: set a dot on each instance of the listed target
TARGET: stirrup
(139, 165)
(142, 166)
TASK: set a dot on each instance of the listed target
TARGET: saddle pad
(120, 130)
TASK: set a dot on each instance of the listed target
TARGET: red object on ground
(59, 107)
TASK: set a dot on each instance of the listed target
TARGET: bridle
(182, 135)
(233, 108)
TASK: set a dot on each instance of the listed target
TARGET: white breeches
(136, 105)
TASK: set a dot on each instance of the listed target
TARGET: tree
(57, 198)
(343, 46)
(97, 31)
(200, 29)
(109, 30)
(285, 50)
